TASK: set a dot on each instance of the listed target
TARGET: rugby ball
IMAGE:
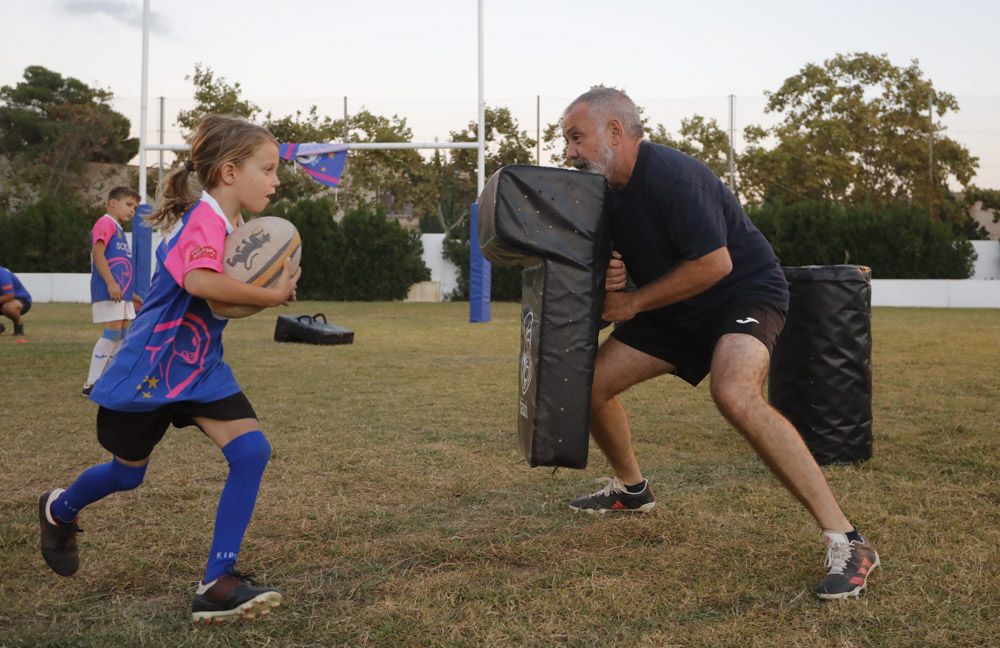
(255, 254)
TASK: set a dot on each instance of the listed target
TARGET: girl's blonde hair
(216, 140)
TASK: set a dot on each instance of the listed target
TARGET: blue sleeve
(6, 281)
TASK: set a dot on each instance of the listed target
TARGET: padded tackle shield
(821, 372)
(310, 329)
(553, 223)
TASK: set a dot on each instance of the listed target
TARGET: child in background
(15, 301)
(170, 369)
(111, 279)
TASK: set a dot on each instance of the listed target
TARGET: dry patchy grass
(397, 512)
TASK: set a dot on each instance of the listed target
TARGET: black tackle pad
(553, 223)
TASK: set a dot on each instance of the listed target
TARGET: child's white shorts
(111, 311)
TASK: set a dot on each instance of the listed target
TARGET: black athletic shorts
(690, 350)
(133, 435)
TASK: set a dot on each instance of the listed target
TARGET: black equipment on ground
(311, 329)
(821, 371)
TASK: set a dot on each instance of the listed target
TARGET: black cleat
(58, 543)
(850, 563)
(19, 329)
(614, 497)
(231, 597)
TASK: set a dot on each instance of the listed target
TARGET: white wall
(987, 264)
(982, 291)
(56, 287)
(442, 270)
(936, 293)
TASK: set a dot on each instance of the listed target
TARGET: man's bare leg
(739, 366)
(618, 367)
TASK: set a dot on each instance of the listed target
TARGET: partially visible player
(111, 279)
(170, 370)
(15, 301)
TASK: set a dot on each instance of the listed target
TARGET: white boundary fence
(981, 291)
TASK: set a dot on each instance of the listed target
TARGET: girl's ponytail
(176, 195)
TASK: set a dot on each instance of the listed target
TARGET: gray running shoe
(850, 563)
(614, 497)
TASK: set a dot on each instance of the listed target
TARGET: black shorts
(690, 350)
(133, 435)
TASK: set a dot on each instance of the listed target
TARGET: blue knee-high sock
(96, 483)
(247, 455)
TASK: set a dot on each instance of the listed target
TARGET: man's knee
(735, 398)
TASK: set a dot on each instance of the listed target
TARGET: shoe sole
(645, 508)
(857, 591)
(257, 607)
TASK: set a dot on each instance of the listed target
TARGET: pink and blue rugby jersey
(173, 352)
(119, 256)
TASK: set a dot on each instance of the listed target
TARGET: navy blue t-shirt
(674, 208)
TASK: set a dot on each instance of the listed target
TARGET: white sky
(418, 59)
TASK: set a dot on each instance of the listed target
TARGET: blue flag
(324, 162)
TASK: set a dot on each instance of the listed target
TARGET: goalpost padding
(553, 223)
(821, 372)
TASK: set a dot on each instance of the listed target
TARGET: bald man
(711, 298)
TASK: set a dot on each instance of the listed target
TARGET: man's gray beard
(593, 166)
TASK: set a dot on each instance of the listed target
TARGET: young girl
(170, 369)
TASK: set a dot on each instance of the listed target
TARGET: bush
(365, 257)
(49, 235)
(382, 260)
(896, 242)
(322, 247)
(505, 284)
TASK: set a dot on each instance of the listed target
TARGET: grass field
(397, 512)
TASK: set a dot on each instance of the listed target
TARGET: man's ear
(615, 130)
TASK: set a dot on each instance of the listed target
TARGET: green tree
(364, 257)
(854, 131)
(506, 144)
(700, 138)
(215, 95)
(895, 241)
(51, 126)
(323, 262)
(50, 234)
(383, 259)
(396, 179)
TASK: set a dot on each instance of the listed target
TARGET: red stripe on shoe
(857, 580)
(618, 505)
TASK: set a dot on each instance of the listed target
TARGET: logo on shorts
(747, 321)
(204, 252)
